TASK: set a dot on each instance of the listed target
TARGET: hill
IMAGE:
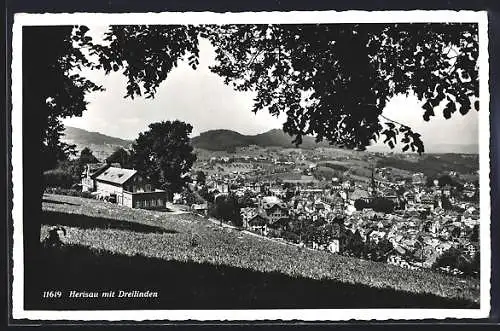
(100, 144)
(219, 140)
(433, 148)
(432, 165)
(197, 264)
(84, 137)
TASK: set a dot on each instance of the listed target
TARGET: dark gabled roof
(95, 169)
(319, 206)
(269, 208)
(258, 218)
(116, 175)
(280, 221)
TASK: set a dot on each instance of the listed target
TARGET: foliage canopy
(121, 156)
(164, 154)
(53, 87)
(331, 80)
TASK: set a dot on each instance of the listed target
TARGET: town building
(418, 178)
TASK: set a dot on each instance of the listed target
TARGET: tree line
(163, 154)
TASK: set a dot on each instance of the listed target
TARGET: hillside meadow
(196, 264)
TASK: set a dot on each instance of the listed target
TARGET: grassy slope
(165, 237)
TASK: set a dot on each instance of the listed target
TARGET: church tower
(373, 184)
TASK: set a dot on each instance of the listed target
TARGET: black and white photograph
(316, 166)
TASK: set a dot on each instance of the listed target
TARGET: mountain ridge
(223, 139)
(81, 136)
(101, 145)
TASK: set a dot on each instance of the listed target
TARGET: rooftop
(116, 175)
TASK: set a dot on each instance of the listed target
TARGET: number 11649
(52, 294)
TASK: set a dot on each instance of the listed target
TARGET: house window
(146, 203)
(160, 202)
(138, 204)
(153, 203)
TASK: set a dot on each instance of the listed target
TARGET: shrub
(290, 236)
(70, 192)
(275, 233)
(360, 204)
(455, 258)
(194, 240)
(226, 208)
(334, 166)
(57, 178)
(382, 205)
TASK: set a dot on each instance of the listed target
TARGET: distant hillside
(101, 145)
(433, 165)
(85, 137)
(219, 140)
(453, 148)
(434, 148)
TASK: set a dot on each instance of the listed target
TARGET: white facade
(107, 189)
(334, 246)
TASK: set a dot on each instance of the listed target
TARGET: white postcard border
(22, 19)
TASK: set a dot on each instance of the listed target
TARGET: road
(279, 241)
(176, 210)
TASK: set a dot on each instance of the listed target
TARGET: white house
(129, 189)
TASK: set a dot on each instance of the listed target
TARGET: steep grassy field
(196, 264)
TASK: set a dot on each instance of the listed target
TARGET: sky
(201, 98)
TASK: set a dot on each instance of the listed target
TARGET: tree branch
(453, 67)
(393, 121)
(388, 119)
(449, 49)
(254, 57)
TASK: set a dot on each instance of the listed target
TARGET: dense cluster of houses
(426, 220)
(270, 212)
(416, 239)
(420, 228)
